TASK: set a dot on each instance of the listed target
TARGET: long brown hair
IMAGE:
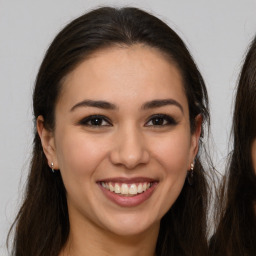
(236, 233)
(42, 224)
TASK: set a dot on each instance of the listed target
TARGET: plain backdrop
(217, 34)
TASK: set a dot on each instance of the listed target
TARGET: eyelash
(91, 118)
(165, 120)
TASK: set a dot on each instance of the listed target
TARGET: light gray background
(216, 32)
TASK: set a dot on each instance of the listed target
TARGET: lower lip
(129, 201)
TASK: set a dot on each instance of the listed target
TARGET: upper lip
(128, 180)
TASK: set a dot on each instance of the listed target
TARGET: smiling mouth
(126, 189)
(128, 192)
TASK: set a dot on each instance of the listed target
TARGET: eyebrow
(110, 106)
(94, 103)
(162, 103)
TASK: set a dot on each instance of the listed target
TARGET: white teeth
(133, 189)
(117, 189)
(140, 189)
(111, 188)
(126, 189)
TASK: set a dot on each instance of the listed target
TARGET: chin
(132, 224)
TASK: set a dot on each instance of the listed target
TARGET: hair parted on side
(42, 224)
(236, 231)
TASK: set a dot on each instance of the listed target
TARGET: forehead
(131, 73)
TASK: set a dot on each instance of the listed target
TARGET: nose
(129, 149)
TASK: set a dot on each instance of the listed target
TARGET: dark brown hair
(236, 233)
(42, 224)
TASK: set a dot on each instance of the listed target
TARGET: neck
(90, 240)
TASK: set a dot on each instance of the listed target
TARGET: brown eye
(160, 120)
(95, 121)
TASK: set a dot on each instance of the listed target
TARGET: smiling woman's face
(122, 139)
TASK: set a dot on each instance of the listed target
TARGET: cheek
(173, 157)
(174, 152)
(78, 155)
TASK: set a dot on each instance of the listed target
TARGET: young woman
(119, 106)
(236, 233)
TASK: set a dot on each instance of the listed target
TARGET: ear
(195, 138)
(47, 141)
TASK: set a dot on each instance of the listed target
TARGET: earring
(52, 167)
(190, 175)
